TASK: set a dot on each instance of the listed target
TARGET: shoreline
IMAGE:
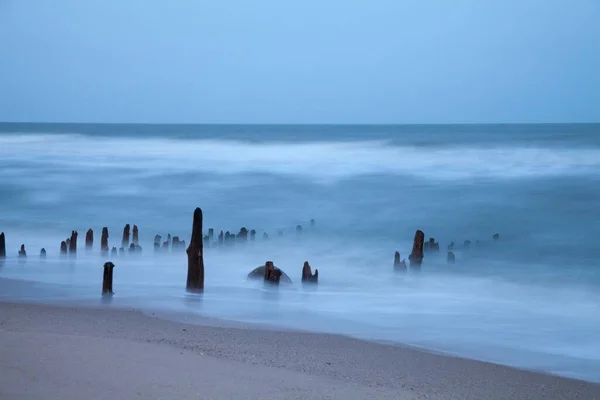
(338, 362)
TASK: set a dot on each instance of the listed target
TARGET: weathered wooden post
(107, 279)
(157, 242)
(265, 236)
(312, 223)
(416, 256)
(136, 238)
(195, 253)
(2, 245)
(206, 240)
(114, 252)
(221, 238)
(272, 274)
(126, 233)
(253, 234)
(22, 252)
(68, 242)
(496, 236)
(43, 253)
(104, 242)
(242, 235)
(307, 275)
(73, 243)
(399, 265)
(451, 258)
(63, 248)
(89, 239)
(211, 235)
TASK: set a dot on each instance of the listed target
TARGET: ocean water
(530, 300)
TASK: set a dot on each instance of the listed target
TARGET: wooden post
(451, 258)
(211, 235)
(113, 252)
(125, 240)
(22, 252)
(107, 279)
(298, 230)
(221, 238)
(496, 236)
(73, 243)
(195, 253)
(43, 253)
(89, 239)
(416, 256)
(252, 234)
(104, 241)
(157, 241)
(63, 248)
(265, 236)
(312, 223)
(399, 265)
(307, 275)
(135, 239)
(272, 274)
(2, 245)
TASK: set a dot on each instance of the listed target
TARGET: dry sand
(53, 352)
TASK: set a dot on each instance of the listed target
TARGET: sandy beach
(57, 352)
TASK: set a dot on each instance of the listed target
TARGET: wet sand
(59, 352)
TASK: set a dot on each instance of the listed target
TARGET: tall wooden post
(89, 239)
(2, 245)
(104, 241)
(73, 243)
(107, 279)
(126, 232)
(195, 253)
(136, 235)
(416, 256)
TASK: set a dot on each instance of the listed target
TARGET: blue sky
(309, 61)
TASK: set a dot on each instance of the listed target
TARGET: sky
(300, 61)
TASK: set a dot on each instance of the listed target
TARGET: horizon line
(298, 124)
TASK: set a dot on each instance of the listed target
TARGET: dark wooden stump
(312, 223)
(307, 275)
(104, 241)
(399, 265)
(180, 244)
(211, 235)
(114, 252)
(107, 279)
(63, 248)
(73, 242)
(242, 235)
(195, 253)
(157, 242)
(265, 236)
(259, 273)
(252, 234)
(89, 239)
(126, 233)
(43, 253)
(2, 245)
(22, 252)
(496, 236)
(451, 258)
(416, 256)
(206, 241)
(135, 235)
(272, 274)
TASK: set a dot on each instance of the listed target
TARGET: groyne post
(107, 279)
(416, 256)
(195, 253)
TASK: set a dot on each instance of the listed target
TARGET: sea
(530, 299)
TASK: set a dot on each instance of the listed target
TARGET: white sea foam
(324, 161)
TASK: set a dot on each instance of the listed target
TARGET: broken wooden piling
(126, 233)
(272, 274)
(89, 239)
(416, 256)
(104, 241)
(157, 242)
(73, 243)
(43, 253)
(451, 258)
(2, 245)
(195, 275)
(307, 275)
(135, 236)
(399, 265)
(22, 252)
(114, 252)
(63, 248)
(107, 279)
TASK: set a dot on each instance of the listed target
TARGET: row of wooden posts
(195, 253)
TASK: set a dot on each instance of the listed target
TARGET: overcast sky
(300, 61)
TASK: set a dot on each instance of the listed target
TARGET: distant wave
(319, 161)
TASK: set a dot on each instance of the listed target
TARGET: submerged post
(63, 248)
(136, 238)
(107, 279)
(22, 252)
(2, 245)
(195, 276)
(399, 265)
(89, 239)
(43, 253)
(73, 242)
(104, 241)
(451, 258)
(307, 275)
(125, 240)
(272, 274)
(416, 256)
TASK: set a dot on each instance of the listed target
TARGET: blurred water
(530, 300)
